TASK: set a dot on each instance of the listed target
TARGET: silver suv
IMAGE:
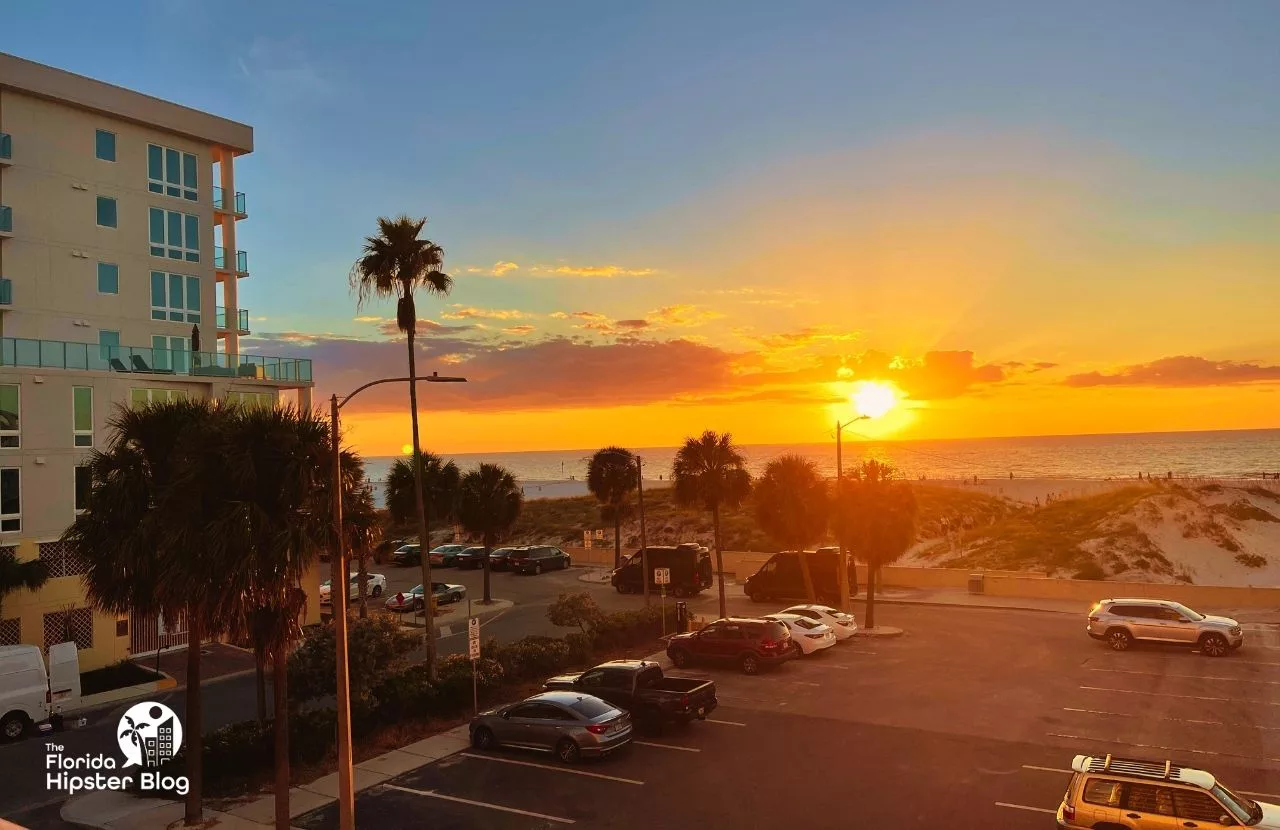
(1119, 622)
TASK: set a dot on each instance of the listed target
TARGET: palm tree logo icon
(149, 734)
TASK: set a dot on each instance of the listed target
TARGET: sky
(1018, 218)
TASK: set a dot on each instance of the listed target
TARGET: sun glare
(406, 449)
(873, 399)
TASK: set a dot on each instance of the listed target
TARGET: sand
(561, 489)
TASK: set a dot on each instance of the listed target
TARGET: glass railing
(220, 259)
(6, 146)
(59, 354)
(6, 219)
(6, 291)
(242, 317)
(219, 202)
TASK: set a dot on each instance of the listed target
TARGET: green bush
(530, 658)
(627, 628)
(405, 694)
(376, 647)
(455, 689)
(577, 609)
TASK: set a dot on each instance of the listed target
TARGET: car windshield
(417, 589)
(1194, 616)
(590, 707)
(1242, 809)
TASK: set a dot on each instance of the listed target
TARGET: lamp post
(644, 555)
(338, 602)
(846, 604)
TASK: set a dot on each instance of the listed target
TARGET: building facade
(119, 284)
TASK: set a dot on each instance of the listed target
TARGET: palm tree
(791, 507)
(439, 482)
(710, 472)
(394, 264)
(874, 517)
(17, 576)
(489, 502)
(611, 476)
(146, 542)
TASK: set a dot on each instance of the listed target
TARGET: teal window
(10, 434)
(192, 237)
(155, 168)
(82, 416)
(104, 144)
(175, 297)
(169, 353)
(109, 344)
(189, 177)
(10, 500)
(108, 278)
(174, 235)
(84, 483)
(106, 212)
(172, 172)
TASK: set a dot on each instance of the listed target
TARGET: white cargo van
(30, 694)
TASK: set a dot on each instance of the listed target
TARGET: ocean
(1220, 454)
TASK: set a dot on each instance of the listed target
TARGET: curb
(164, 684)
(933, 604)
(881, 631)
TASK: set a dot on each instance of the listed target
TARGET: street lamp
(338, 601)
(846, 604)
(644, 555)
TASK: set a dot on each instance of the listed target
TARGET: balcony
(220, 260)
(242, 318)
(6, 291)
(236, 208)
(148, 363)
(6, 221)
(6, 149)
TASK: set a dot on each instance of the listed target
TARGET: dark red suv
(750, 643)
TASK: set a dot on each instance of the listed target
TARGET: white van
(29, 694)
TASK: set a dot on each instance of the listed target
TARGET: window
(170, 354)
(174, 235)
(592, 678)
(247, 399)
(10, 499)
(1103, 792)
(171, 172)
(108, 278)
(109, 344)
(83, 485)
(82, 416)
(72, 626)
(590, 707)
(142, 397)
(106, 212)
(1197, 806)
(105, 145)
(524, 710)
(175, 297)
(1145, 798)
(10, 436)
(61, 560)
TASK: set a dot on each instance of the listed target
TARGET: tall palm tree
(874, 517)
(710, 472)
(792, 506)
(395, 263)
(146, 542)
(611, 476)
(489, 502)
(17, 576)
(439, 482)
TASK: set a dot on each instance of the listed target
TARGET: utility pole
(846, 604)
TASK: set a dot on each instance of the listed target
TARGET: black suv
(749, 642)
(537, 558)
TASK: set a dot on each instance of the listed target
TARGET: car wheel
(537, 568)
(377, 590)
(568, 751)
(796, 647)
(749, 663)
(13, 726)
(483, 738)
(679, 658)
(756, 595)
(1214, 645)
(455, 598)
(564, 564)
(1119, 639)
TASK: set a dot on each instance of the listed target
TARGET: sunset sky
(1027, 218)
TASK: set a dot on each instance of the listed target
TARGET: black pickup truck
(639, 687)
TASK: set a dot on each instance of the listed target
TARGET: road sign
(599, 534)
(473, 638)
(662, 576)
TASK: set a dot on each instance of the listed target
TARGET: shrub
(405, 694)
(578, 609)
(1251, 560)
(530, 658)
(376, 647)
(455, 687)
(627, 628)
(1090, 570)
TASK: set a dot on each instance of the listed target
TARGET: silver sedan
(568, 724)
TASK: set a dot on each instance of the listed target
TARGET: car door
(1100, 802)
(706, 645)
(1165, 624)
(1178, 628)
(1148, 807)
(515, 727)
(543, 723)
(1196, 808)
(1141, 621)
(731, 642)
(614, 687)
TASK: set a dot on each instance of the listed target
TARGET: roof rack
(1138, 768)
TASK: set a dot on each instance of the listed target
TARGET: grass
(1245, 511)
(116, 676)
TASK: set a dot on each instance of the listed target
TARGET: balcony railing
(6, 148)
(6, 219)
(6, 291)
(60, 354)
(242, 317)
(220, 259)
(219, 202)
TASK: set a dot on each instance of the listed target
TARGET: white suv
(1119, 622)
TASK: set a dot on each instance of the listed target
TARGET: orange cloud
(683, 314)
(518, 330)
(591, 271)
(1181, 371)
(935, 375)
(460, 312)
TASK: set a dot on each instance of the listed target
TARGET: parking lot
(970, 719)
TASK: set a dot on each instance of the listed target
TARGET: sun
(873, 398)
(406, 449)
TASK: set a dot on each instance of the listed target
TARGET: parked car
(639, 687)
(782, 578)
(444, 593)
(689, 564)
(445, 555)
(1121, 622)
(569, 724)
(538, 558)
(1108, 791)
(374, 587)
(499, 558)
(470, 558)
(30, 694)
(843, 625)
(807, 637)
(407, 554)
(751, 643)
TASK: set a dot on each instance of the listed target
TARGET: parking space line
(486, 805)
(803, 683)
(1176, 720)
(725, 722)
(668, 746)
(568, 770)
(1187, 676)
(1046, 769)
(1184, 697)
(1025, 807)
(827, 666)
(1174, 749)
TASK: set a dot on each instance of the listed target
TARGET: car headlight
(1235, 630)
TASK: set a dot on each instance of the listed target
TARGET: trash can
(975, 584)
(682, 617)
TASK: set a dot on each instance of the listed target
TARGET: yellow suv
(1109, 793)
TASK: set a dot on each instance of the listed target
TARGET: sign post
(473, 651)
(662, 578)
(586, 539)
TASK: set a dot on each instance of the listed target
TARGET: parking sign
(662, 576)
(473, 638)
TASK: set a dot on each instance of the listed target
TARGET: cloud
(370, 318)
(682, 314)
(460, 312)
(1180, 371)
(425, 328)
(590, 271)
(558, 315)
(933, 376)
(800, 338)
(519, 330)
(281, 69)
(496, 270)
(587, 315)
(500, 268)
(631, 325)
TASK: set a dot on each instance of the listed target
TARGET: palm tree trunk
(363, 571)
(870, 621)
(617, 536)
(424, 538)
(260, 677)
(280, 728)
(715, 528)
(194, 722)
(807, 574)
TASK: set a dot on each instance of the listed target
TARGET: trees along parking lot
(489, 502)
(792, 503)
(874, 517)
(611, 477)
